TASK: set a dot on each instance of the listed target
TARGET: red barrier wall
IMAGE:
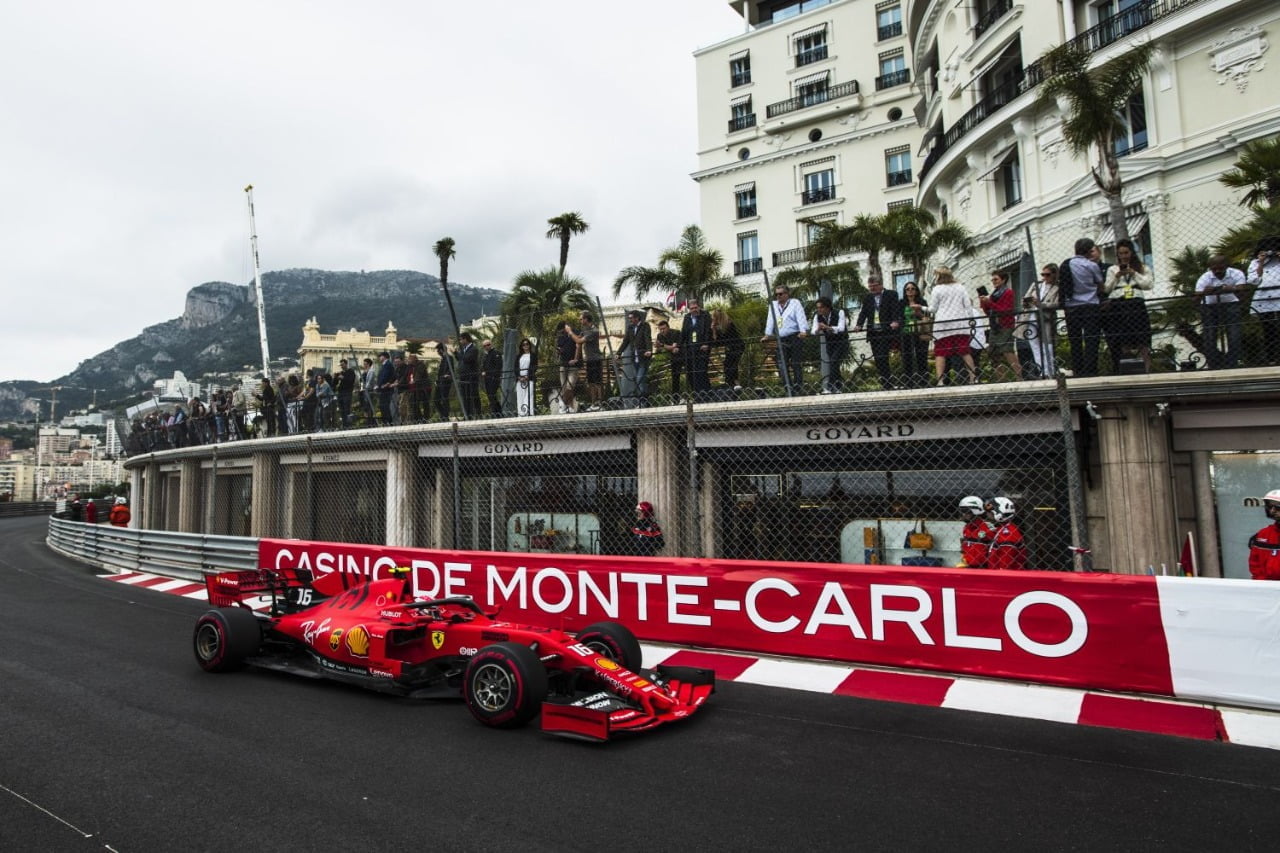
(1099, 631)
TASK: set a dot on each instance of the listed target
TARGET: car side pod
(600, 715)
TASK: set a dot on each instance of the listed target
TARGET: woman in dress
(917, 333)
(526, 379)
(1125, 322)
(952, 324)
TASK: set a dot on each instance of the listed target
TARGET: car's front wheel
(614, 641)
(505, 685)
(225, 637)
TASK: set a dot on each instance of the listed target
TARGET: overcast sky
(369, 130)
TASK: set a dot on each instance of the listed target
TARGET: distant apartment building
(823, 110)
(6, 448)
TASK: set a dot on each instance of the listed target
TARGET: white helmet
(974, 504)
(1002, 509)
(1270, 501)
(120, 501)
(1273, 495)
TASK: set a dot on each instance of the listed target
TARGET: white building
(178, 389)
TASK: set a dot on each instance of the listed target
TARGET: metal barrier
(178, 555)
(11, 509)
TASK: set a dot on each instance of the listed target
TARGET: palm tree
(805, 283)
(1096, 99)
(562, 228)
(691, 268)
(444, 250)
(538, 294)
(1258, 170)
(867, 233)
(914, 235)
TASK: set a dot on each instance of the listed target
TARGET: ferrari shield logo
(437, 638)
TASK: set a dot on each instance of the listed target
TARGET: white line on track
(41, 808)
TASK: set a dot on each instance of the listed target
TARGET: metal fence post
(1081, 558)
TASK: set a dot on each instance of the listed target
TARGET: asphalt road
(112, 739)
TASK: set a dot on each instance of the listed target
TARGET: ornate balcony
(830, 93)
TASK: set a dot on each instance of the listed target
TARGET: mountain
(218, 329)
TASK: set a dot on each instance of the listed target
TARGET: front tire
(505, 685)
(225, 637)
(613, 641)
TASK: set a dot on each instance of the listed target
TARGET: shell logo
(358, 641)
(335, 639)
(437, 639)
(605, 663)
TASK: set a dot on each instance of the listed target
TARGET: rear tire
(505, 685)
(225, 637)
(613, 641)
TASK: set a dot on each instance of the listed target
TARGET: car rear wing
(229, 589)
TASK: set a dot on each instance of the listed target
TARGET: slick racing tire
(225, 637)
(505, 685)
(614, 641)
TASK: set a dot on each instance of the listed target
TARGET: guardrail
(179, 555)
(10, 509)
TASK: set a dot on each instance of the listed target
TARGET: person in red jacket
(91, 512)
(1264, 546)
(119, 516)
(1008, 551)
(975, 539)
(646, 535)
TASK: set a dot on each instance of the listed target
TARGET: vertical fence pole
(695, 491)
(1081, 559)
(457, 493)
(310, 501)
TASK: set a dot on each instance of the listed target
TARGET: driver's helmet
(1002, 509)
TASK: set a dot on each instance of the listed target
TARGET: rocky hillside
(218, 329)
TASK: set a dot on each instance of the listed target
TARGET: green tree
(805, 282)
(867, 233)
(562, 228)
(914, 235)
(539, 295)
(691, 269)
(444, 251)
(1095, 101)
(1257, 169)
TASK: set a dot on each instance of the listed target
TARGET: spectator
(695, 346)
(526, 379)
(444, 381)
(178, 426)
(469, 375)
(344, 386)
(976, 536)
(998, 306)
(634, 355)
(1042, 301)
(1079, 286)
(668, 341)
(787, 321)
(724, 333)
(386, 387)
(1264, 276)
(567, 352)
(952, 324)
(401, 401)
(369, 391)
(831, 326)
(646, 535)
(1008, 551)
(324, 402)
(1220, 311)
(1125, 321)
(75, 511)
(491, 375)
(119, 516)
(917, 334)
(266, 399)
(589, 355)
(881, 316)
(419, 390)
(90, 512)
(307, 422)
(1264, 546)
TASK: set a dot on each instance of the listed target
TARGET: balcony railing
(790, 256)
(888, 31)
(748, 265)
(898, 179)
(810, 56)
(814, 196)
(742, 122)
(831, 93)
(1091, 40)
(893, 78)
(746, 210)
(998, 10)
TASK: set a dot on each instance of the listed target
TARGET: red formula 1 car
(374, 634)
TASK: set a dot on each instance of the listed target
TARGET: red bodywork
(375, 634)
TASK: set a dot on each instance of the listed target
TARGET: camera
(982, 290)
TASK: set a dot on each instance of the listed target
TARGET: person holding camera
(998, 306)
(1220, 311)
(1264, 277)
(831, 326)
(1125, 322)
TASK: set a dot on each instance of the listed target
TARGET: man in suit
(695, 346)
(634, 355)
(469, 375)
(881, 317)
(491, 374)
(386, 386)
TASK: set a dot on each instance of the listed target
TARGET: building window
(748, 254)
(740, 70)
(744, 198)
(819, 186)
(1009, 181)
(812, 90)
(888, 20)
(893, 70)
(989, 13)
(897, 166)
(741, 115)
(901, 277)
(1133, 118)
(813, 228)
(811, 46)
